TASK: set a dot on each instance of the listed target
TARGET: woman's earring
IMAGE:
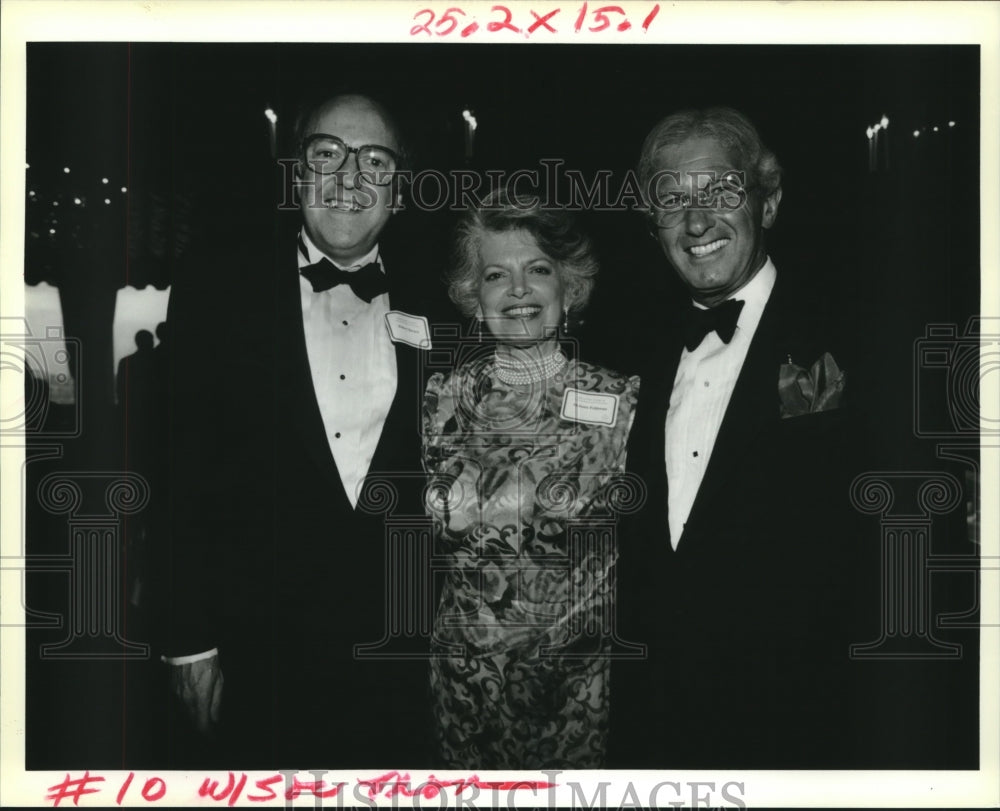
(479, 316)
(566, 320)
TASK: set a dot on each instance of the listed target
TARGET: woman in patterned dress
(525, 451)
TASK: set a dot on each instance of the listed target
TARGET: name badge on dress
(593, 407)
(408, 329)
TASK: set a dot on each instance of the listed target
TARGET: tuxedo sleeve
(191, 569)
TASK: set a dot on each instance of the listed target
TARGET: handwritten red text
(586, 18)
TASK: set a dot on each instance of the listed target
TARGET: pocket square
(809, 392)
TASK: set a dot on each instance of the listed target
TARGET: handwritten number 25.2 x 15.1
(455, 19)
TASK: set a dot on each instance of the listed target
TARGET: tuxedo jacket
(269, 561)
(748, 622)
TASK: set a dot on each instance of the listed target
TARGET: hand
(199, 687)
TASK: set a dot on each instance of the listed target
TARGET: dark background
(182, 127)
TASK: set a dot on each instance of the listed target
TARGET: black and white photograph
(538, 404)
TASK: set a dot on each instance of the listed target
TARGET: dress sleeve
(610, 453)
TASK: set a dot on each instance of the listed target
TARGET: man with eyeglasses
(305, 460)
(737, 573)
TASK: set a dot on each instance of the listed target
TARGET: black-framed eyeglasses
(727, 193)
(328, 154)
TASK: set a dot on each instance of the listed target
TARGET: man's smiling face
(343, 215)
(714, 249)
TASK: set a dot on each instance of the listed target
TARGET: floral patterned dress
(520, 498)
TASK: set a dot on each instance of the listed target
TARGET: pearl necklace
(516, 372)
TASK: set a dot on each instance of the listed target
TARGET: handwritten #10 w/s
(388, 785)
(599, 19)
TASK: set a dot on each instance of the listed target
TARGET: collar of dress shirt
(314, 254)
(754, 294)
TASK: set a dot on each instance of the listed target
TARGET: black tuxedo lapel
(646, 446)
(658, 384)
(752, 410)
(398, 449)
(403, 419)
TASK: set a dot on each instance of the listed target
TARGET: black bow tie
(722, 319)
(366, 283)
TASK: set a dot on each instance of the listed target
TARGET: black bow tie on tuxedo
(367, 283)
(722, 319)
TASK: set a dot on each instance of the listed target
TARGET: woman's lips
(522, 311)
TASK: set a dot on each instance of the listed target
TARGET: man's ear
(769, 212)
(398, 189)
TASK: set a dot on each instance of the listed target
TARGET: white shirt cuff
(186, 660)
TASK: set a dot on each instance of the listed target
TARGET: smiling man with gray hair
(734, 577)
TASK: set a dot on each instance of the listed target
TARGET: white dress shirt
(702, 389)
(353, 366)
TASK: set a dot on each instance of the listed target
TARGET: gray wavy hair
(730, 128)
(556, 231)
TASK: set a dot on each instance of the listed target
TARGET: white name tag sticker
(593, 407)
(408, 329)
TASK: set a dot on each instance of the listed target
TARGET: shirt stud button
(343, 377)
(337, 434)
